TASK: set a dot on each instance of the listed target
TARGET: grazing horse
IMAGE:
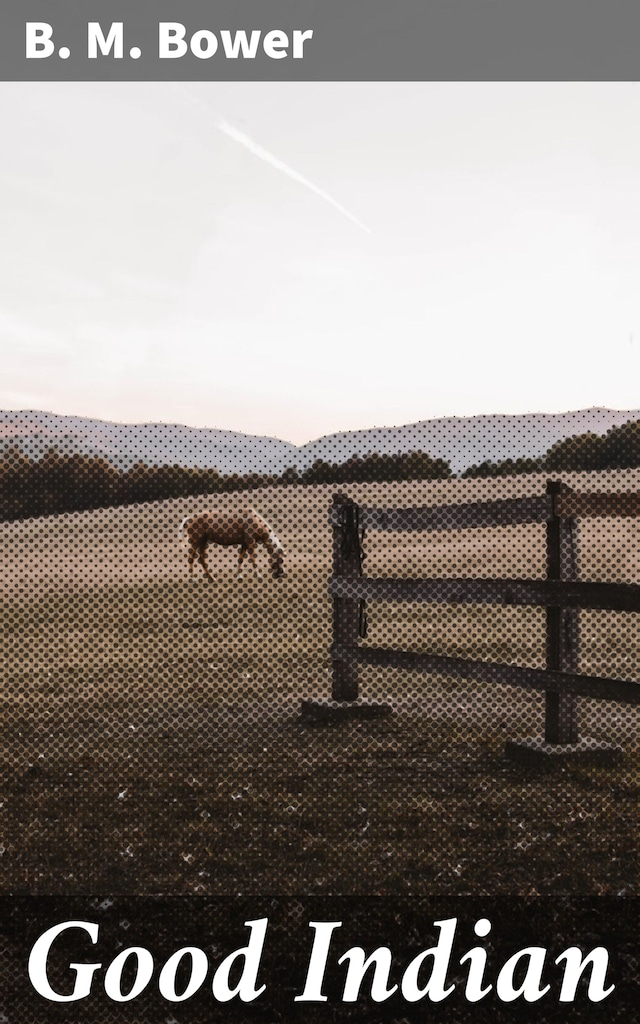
(246, 528)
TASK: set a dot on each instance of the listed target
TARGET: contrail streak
(269, 158)
(280, 165)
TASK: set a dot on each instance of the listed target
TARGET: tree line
(374, 466)
(60, 482)
(619, 448)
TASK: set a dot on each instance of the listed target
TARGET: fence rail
(619, 597)
(508, 675)
(510, 512)
(561, 594)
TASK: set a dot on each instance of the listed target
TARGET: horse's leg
(192, 555)
(243, 552)
(252, 556)
(201, 559)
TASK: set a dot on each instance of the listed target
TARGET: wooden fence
(560, 593)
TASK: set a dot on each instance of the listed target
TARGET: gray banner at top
(316, 40)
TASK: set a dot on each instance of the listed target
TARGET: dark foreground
(213, 801)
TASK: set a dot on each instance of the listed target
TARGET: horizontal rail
(572, 503)
(546, 593)
(485, 671)
(508, 512)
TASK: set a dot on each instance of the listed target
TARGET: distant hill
(462, 441)
(467, 440)
(153, 443)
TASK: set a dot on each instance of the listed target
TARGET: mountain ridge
(461, 440)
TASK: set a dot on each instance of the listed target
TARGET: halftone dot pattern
(152, 737)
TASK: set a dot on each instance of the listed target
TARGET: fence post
(561, 709)
(347, 611)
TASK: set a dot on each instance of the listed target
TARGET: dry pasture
(151, 741)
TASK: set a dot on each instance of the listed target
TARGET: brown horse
(245, 528)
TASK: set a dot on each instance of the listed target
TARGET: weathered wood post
(347, 611)
(349, 621)
(561, 709)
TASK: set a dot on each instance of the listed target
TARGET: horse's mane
(272, 541)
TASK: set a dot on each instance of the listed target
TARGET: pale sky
(293, 259)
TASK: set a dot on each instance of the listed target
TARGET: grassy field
(152, 743)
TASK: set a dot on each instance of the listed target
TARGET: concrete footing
(325, 711)
(538, 751)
